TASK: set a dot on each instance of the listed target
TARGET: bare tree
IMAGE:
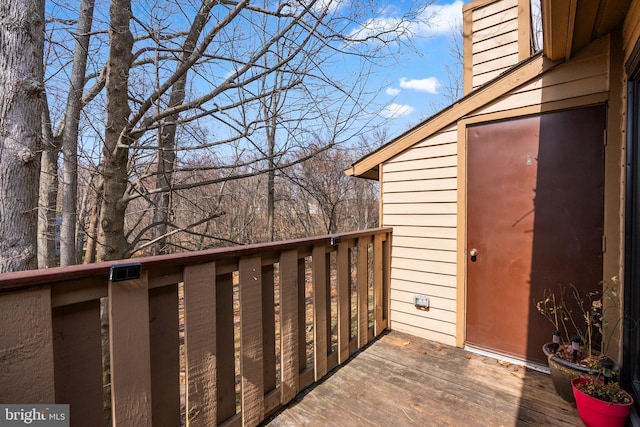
(48, 192)
(111, 239)
(21, 88)
(328, 200)
(302, 26)
(245, 84)
(60, 126)
(167, 132)
(68, 234)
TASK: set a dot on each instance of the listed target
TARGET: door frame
(611, 256)
(632, 267)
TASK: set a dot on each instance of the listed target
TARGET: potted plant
(578, 323)
(601, 403)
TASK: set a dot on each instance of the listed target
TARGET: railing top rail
(33, 278)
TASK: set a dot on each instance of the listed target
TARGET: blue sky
(416, 86)
(412, 86)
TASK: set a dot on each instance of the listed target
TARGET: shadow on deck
(404, 380)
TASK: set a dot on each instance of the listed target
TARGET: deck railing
(218, 337)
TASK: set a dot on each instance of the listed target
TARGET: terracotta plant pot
(563, 372)
(598, 413)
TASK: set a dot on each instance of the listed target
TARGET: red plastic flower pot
(598, 413)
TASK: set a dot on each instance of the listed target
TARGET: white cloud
(393, 111)
(429, 85)
(332, 5)
(392, 91)
(319, 6)
(438, 20)
(432, 20)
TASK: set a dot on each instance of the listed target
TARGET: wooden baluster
(77, 344)
(165, 355)
(200, 344)
(386, 279)
(327, 279)
(302, 314)
(225, 347)
(129, 351)
(268, 328)
(378, 284)
(289, 326)
(319, 311)
(344, 301)
(363, 295)
(251, 357)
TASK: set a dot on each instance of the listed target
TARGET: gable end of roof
(521, 73)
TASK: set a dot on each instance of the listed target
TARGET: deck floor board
(401, 380)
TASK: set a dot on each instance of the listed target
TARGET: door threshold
(501, 357)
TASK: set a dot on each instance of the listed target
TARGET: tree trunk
(48, 193)
(167, 136)
(271, 185)
(92, 228)
(68, 238)
(21, 88)
(112, 243)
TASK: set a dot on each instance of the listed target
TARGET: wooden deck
(403, 380)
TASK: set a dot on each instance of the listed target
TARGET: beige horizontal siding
(422, 265)
(493, 17)
(417, 164)
(495, 53)
(421, 197)
(444, 280)
(419, 188)
(499, 63)
(415, 208)
(423, 288)
(423, 242)
(495, 31)
(586, 74)
(489, 74)
(424, 328)
(446, 136)
(419, 192)
(403, 301)
(495, 42)
(421, 185)
(406, 175)
(492, 9)
(427, 152)
(432, 232)
(421, 220)
(593, 85)
(431, 254)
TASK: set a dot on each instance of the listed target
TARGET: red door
(535, 217)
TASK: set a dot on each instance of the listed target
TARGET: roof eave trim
(502, 84)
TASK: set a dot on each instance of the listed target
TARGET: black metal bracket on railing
(334, 241)
(122, 272)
